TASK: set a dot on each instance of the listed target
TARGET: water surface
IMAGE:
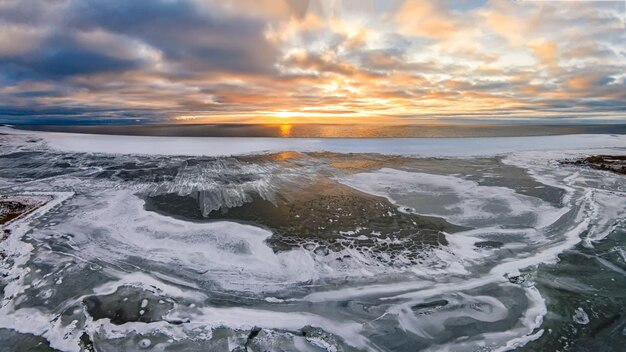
(336, 130)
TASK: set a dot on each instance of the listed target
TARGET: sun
(284, 114)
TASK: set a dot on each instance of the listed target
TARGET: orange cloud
(547, 52)
(425, 18)
(510, 27)
(581, 82)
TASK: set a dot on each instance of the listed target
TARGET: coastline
(230, 146)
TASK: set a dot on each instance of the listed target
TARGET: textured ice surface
(95, 267)
(463, 202)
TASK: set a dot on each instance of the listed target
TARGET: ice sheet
(211, 146)
(108, 224)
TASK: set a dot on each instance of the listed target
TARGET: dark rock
(613, 163)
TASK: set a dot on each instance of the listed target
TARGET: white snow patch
(580, 316)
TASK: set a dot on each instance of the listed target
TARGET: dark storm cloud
(76, 115)
(188, 36)
(59, 57)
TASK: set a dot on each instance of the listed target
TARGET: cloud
(16, 39)
(162, 59)
(547, 52)
(189, 38)
(426, 18)
(510, 27)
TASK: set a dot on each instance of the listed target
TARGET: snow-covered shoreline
(225, 146)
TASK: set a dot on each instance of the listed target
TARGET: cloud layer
(311, 60)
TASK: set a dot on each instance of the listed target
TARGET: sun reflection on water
(285, 130)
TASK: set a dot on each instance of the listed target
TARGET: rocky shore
(614, 163)
(13, 207)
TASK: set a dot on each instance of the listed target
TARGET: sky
(314, 61)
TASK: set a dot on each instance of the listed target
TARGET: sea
(326, 130)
